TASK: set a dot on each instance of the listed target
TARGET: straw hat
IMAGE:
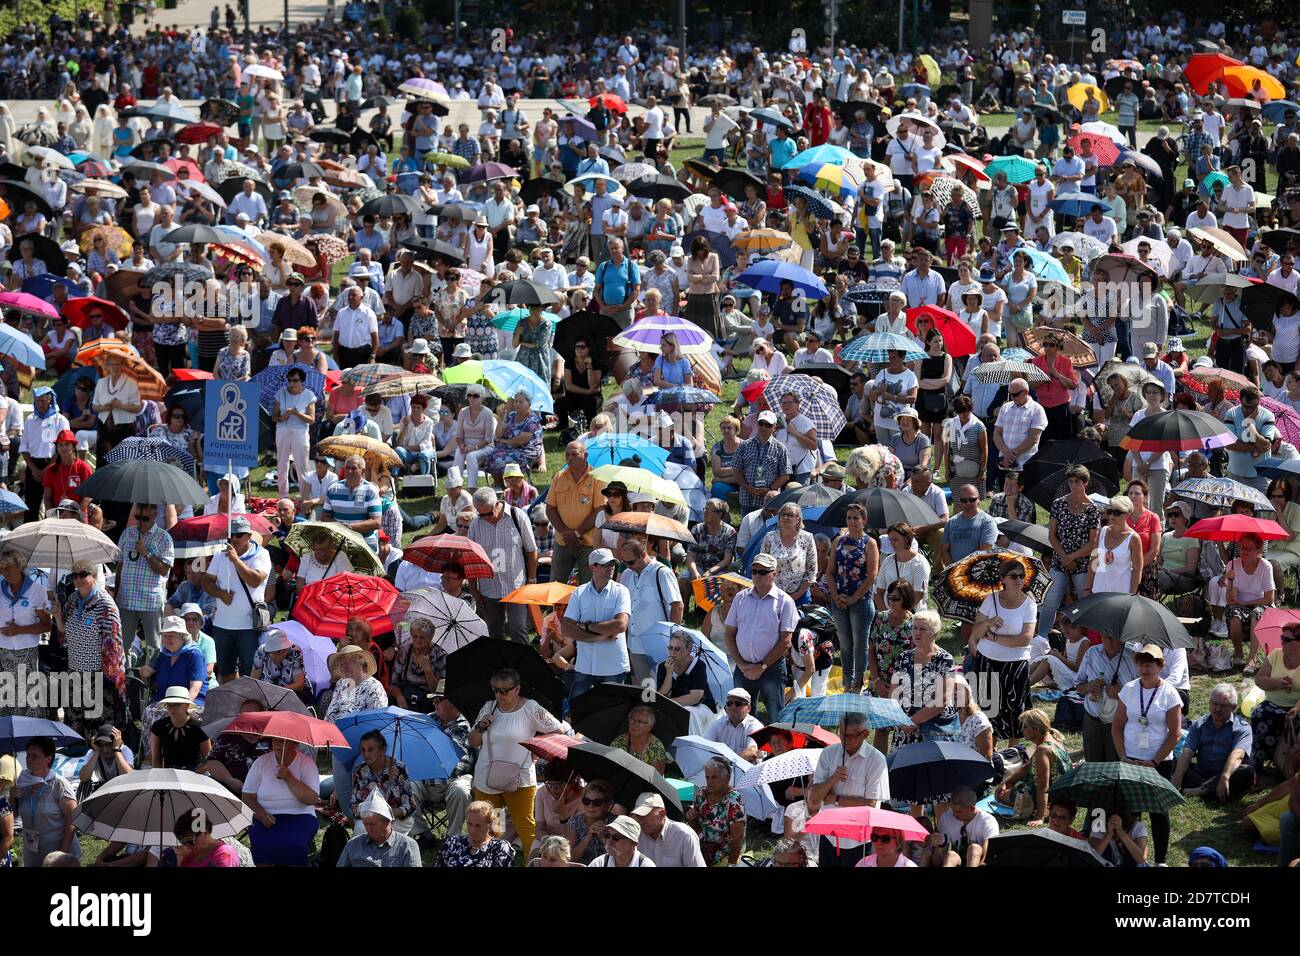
(335, 661)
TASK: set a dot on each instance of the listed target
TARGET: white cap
(640, 498)
(376, 805)
(600, 556)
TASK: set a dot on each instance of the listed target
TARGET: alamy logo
(78, 910)
(23, 689)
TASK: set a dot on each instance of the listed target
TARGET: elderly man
(381, 845)
(922, 485)
(355, 502)
(1215, 762)
(506, 534)
(759, 627)
(1158, 367)
(596, 621)
(617, 285)
(147, 555)
(248, 202)
(762, 463)
(1020, 424)
(735, 725)
(572, 504)
(665, 842)
(236, 577)
(969, 530)
(851, 773)
(1105, 669)
(655, 596)
(403, 285)
(1252, 441)
(356, 331)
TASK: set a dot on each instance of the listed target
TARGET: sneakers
(1219, 628)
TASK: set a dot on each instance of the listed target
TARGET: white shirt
(718, 127)
(801, 459)
(355, 326)
(868, 777)
(982, 826)
(22, 609)
(310, 570)
(1105, 231)
(238, 614)
(552, 278)
(654, 124)
(273, 793)
(1142, 742)
(1196, 221)
(735, 736)
(39, 433)
(254, 206)
(602, 658)
(1013, 623)
(1238, 197)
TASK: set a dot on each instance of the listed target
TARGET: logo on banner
(232, 415)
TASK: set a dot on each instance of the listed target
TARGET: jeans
(1289, 848)
(1056, 597)
(769, 689)
(853, 624)
(235, 649)
(585, 682)
(721, 489)
(423, 460)
(411, 522)
(342, 784)
(565, 558)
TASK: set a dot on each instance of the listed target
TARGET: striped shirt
(139, 587)
(350, 506)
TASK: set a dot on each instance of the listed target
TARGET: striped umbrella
(645, 335)
(944, 186)
(1018, 169)
(150, 449)
(880, 712)
(275, 377)
(817, 401)
(1003, 372)
(876, 346)
(455, 622)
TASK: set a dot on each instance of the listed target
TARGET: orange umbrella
(93, 349)
(537, 596)
(152, 386)
(1241, 82)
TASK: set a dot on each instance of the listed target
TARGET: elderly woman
(683, 677)
(24, 617)
(281, 790)
(1276, 718)
(176, 741)
(1116, 565)
(909, 443)
(1284, 554)
(1000, 642)
(234, 363)
(476, 427)
(718, 816)
(180, 663)
(324, 560)
(639, 739)
(586, 828)
(518, 438)
(355, 689)
(1180, 556)
(92, 630)
(196, 847)
(795, 553)
(725, 478)
(280, 662)
(414, 440)
(417, 668)
(922, 684)
(504, 773)
(553, 851)
(116, 401)
(1029, 783)
(481, 844)
(46, 802)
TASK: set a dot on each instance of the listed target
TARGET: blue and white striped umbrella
(150, 449)
(275, 377)
(876, 346)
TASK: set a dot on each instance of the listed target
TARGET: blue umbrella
(1078, 204)
(17, 732)
(931, 768)
(588, 180)
(810, 524)
(1045, 266)
(691, 753)
(511, 377)
(914, 91)
(150, 449)
(681, 395)
(415, 739)
(716, 664)
(1279, 468)
(692, 488)
(818, 205)
(42, 286)
(826, 153)
(880, 711)
(772, 118)
(275, 377)
(876, 346)
(614, 449)
(582, 127)
(1275, 112)
(20, 347)
(10, 502)
(1017, 355)
(767, 275)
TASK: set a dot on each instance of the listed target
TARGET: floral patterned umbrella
(330, 248)
(962, 587)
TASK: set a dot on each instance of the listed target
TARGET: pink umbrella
(1288, 422)
(1269, 628)
(856, 823)
(470, 280)
(25, 302)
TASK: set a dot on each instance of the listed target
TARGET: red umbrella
(1203, 68)
(1103, 147)
(802, 735)
(435, 552)
(77, 312)
(551, 746)
(325, 607)
(210, 528)
(196, 174)
(753, 390)
(1232, 527)
(969, 163)
(611, 101)
(286, 725)
(191, 375)
(198, 133)
(958, 339)
(1269, 628)
(1201, 388)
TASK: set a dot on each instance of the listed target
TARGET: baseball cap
(1153, 651)
(600, 556)
(767, 416)
(765, 562)
(239, 525)
(1151, 350)
(647, 803)
(1189, 183)
(66, 436)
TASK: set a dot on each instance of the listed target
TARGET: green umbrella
(1018, 168)
(447, 159)
(303, 536)
(509, 321)
(1120, 787)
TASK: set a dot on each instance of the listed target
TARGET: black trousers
(1060, 426)
(169, 357)
(351, 358)
(1239, 784)
(33, 488)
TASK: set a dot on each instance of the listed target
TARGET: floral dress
(795, 563)
(654, 752)
(850, 565)
(917, 689)
(1072, 530)
(711, 547)
(535, 347)
(232, 368)
(888, 642)
(714, 822)
(525, 455)
(481, 335)
(284, 673)
(578, 823)
(457, 853)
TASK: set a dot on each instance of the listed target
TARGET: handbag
(503, 775)
(1107, 706)
(261, 610)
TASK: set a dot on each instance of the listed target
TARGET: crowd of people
(957, 327)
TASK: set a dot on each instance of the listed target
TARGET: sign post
(1072, 19)
(231, 425)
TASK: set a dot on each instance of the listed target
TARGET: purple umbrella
(645, 335)
(1288, 422)
(580, 126)
(486, 172)
(423, 87)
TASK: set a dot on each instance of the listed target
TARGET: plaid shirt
(467, 148)
(755, 455)
(1192, 143)
(392, 782)
(139, 587)
(458, 731)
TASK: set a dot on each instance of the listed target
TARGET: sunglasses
(1019, 576)
(895, 597)
(1116, 513)
(968, 501)
(1019, 393)
(758, 572)
(81, 574)
(1289, 640)
(502, 691)
(882, 838)
(593, 802)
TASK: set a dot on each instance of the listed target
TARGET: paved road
(198, 13)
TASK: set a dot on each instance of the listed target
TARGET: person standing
(596, 620)
(762, 463)
(24, 617)
(236, 577)
(506, 534)
(572, 504)
(356, 331)
(759, 628)
(655, 594)
(147, 556)
(41, 430)
(294, 411)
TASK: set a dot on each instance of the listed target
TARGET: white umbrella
(1085, 247)
(101, 186)
(51, 157)
(55, 543)
(916, 119)
(142, 807)
(1160, 251)
(266, 72)
(1107, 130)
(315, 652)
(786, 766)
(632, 171)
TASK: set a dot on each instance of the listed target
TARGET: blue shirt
(589, 606)
(187, 666)
(617, 280)
(965, 536)
(1241, 464)
(351, 505)
(1212, 745)
(782, 151)
(673, 372)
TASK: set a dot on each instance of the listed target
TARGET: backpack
(332, 842)
(825, 636)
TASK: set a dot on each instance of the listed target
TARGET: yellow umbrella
(1078, 95)
(932, 74)
(119, 240)
(639, 479)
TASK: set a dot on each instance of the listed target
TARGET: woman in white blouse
(414, 443)
(116, 401)
(901, 560)
(476, 428)
(1000, 641)
(766, 358)
(281, 789)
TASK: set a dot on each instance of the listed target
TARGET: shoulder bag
(1107, 706)
(503, 775)
(261, 610)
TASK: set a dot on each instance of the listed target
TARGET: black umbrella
(1262, 301)
(945, 93)
(836, 376)
(595, 328)
(36, 134)
(143, 482)
(470, 670)
(629, 776)
(43, 248)
(18, 194)
(1279, 239)
(534, 189)
(1178, 426)
(702, 168)
(523, 292)
(230, 188)
(393, 204)
(718, 242)
(149, 148)
(167, 112)
(195, 233)
(885, 507)
(807, 496)
(425, 248)
(377, 101)
(771, 117)
(170, 272)
(601, 713)
(929, 769)
(187, 396)
(144, 168)
(1040, 848)
(1047, 113)
(1030, 535)
(658, 187)
(848, 110)
(305, 170)
(1054, 484)
(1054, 456)
(1115, 85)
(733, 181)
(330, 134)
(1130, 618)
(452, 210)
(456, 394)
(221, 112)
(362, 138)
(13, 172)
(717, 99)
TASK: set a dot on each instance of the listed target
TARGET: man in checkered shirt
(761, 463)
(1197, 137)
(147, 556)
